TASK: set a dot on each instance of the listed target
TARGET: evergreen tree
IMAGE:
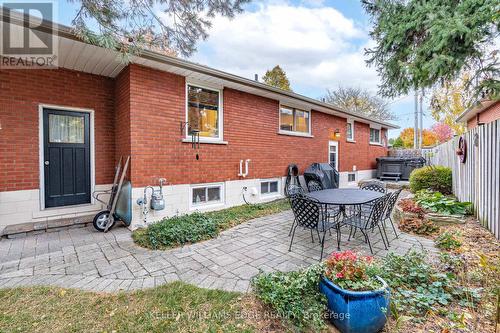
(276, 77)
(424, 43)
(166, 26)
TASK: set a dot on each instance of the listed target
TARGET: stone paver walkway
(89, 260)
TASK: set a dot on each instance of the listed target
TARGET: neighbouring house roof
(476, 109)
(78, 55)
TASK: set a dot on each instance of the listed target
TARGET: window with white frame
(295, 120)
(206, 195)
(351, 177)
(350, 130)
(375, 136)
(333, 157)
(204, 112)
(269, 187)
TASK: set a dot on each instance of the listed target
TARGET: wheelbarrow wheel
(101, 220)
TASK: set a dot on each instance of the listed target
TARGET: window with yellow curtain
(301, 121)
(203, 111)
(294, 120)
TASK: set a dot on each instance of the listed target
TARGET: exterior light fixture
(337, 133)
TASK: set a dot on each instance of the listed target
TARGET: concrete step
(34, 228)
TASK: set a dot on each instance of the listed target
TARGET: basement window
(202, 195)
(269, 187)
(351, 177)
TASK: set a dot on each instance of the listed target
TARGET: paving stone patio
(86, 259)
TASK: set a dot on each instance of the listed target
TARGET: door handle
(46, 162)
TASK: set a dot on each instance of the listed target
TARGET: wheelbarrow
(119, 204)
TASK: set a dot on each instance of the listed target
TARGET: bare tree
(170, 26)
(360, 101)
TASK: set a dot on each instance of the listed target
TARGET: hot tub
(397, 168)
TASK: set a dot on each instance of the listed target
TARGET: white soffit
(88, 58)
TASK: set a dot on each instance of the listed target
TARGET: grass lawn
(196, 227)
(176, 307)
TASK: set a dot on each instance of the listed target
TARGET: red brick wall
(157, 102)
(21, 91)
(122, 115)
(361, 153)
(139, 113)
(490, 114)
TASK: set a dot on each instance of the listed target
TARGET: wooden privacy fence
(478, 179)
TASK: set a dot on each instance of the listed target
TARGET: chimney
(256, 77)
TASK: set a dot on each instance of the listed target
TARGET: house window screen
(206, 195)
(350, 134)
(294, 120)
(286, 119)
(302, 121)
(269, 187)
(374, 135)
(333, 156)
(203, 111)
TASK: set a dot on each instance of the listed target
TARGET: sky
(319, 43)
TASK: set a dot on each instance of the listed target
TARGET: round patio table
(345, 196)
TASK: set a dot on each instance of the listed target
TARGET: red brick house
(484, 112)
(72, 123)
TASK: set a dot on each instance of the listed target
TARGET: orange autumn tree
(449, 101)
(429, 138)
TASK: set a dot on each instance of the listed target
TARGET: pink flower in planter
(368, 259)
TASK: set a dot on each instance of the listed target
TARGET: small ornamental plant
(351, 271)
(409, 206)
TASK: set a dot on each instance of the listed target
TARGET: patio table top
(345, 196)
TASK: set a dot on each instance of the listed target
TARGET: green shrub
(179, 230)
(417, 286)
(294, 296)
(192, 228)
(436, 178)
(439, 203)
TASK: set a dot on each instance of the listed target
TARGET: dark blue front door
(66, 157)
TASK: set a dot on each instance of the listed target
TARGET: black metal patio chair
(311, 214)
(333, 211)
(314, 186)
(294, 189)
(391, 202)
(373, 185)
(368, 216)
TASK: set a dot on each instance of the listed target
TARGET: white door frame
(41, 150)
(336, 144)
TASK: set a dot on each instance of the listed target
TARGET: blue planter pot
(356, 311)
